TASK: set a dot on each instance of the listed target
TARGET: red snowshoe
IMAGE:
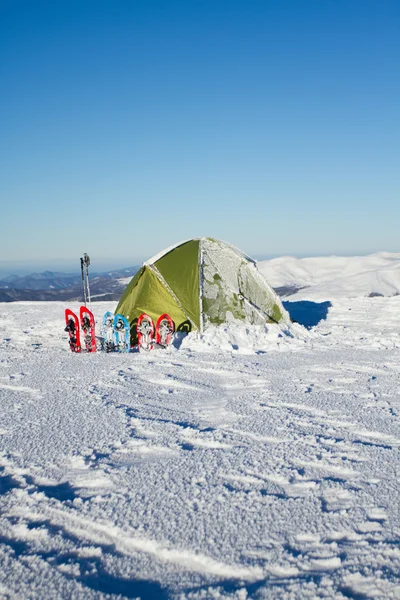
(72, 328)
(145, 332)
(88, 325)
(164, 330)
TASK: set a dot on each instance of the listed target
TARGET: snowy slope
(212, 474)
(336, 276)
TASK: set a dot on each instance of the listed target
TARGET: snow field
(227, 468)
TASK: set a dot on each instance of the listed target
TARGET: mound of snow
(247, 339)
(335, 276)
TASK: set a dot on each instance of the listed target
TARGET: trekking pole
(86, 260)
(83, 282)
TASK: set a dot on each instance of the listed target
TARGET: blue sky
(130, 125)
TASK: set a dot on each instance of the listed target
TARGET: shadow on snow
(307, 313)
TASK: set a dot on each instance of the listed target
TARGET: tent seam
(201, 285)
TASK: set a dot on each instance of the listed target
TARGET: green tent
(201, 282)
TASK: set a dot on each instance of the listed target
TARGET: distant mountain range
(312, 278)
(52, 285)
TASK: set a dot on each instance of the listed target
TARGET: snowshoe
(121, 333)
(145, 332)
(88, 328)
(72, 327)
(107, 332)
(164, 330)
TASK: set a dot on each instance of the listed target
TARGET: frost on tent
(233, 289)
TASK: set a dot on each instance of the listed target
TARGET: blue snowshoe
(107, 332)
(121, 334)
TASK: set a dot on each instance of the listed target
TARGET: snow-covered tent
(201, 282)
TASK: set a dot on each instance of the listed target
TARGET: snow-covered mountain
(318, 277)
(335, 276)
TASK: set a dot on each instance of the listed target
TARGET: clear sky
(129, 125)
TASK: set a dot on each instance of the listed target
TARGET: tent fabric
(184, 280)
(233, 287)
(148, 295)
(199, 283)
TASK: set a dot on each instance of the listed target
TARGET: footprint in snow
(203, 440)
(336, 500)
(377, 514)
(368, 527)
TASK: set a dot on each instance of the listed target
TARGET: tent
(201, 282)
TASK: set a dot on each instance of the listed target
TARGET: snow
(162, 253)
(245, 463)
(125, 280)
(336, 276)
